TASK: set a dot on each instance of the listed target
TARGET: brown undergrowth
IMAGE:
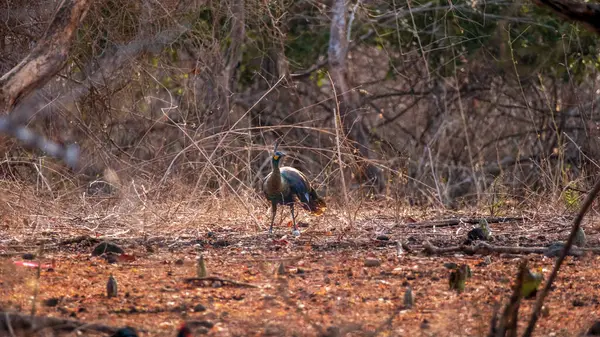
(326, 285)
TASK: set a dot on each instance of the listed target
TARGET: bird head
(277, 156)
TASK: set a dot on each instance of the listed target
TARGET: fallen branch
(459, 221)
(15, 323)
(484, 248)
(196, 280)
(79, 239)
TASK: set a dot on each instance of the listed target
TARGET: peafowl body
(285, 186)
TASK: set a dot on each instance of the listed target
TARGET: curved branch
(47, 58)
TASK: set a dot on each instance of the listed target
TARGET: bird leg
(273, 213)
(293, 217)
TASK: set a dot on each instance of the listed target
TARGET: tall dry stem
(338, 143)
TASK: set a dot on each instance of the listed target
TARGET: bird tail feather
(315, 204)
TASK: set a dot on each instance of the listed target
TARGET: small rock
(332, 331)
(556, 248)
(220, 243)
(486, 262)
(111, 258)
(202, 331)
(179, 308)
(451, 265)
(273, 330)
(199, 308)
(370, 262)
(28, 256)
(106, 247)
(51, 302)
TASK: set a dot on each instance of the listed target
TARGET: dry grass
(334, 289)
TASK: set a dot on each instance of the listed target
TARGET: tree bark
(349, 102)
(233, 55)
(47, 58)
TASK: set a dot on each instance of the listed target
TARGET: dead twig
(587, 203)
(456, 222)
(30, 325)
(78, 239)
(196, 280)
(484, 248)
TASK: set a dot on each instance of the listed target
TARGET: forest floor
(326, 284)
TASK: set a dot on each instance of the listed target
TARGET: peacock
(286, 185)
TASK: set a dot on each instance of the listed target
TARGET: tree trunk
(349, 102)
(47, 58)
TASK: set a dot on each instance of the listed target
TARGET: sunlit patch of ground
(326, 283)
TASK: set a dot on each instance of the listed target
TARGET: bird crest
(277, 154)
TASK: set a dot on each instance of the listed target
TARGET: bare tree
(43, 62)
(349, 102)
(47, 58)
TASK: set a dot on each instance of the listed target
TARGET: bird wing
(297, 182)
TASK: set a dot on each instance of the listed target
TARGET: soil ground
(326, 285)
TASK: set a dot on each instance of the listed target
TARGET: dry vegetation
(326, 282)
(398, 112)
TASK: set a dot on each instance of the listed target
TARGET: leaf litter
(308, 286)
